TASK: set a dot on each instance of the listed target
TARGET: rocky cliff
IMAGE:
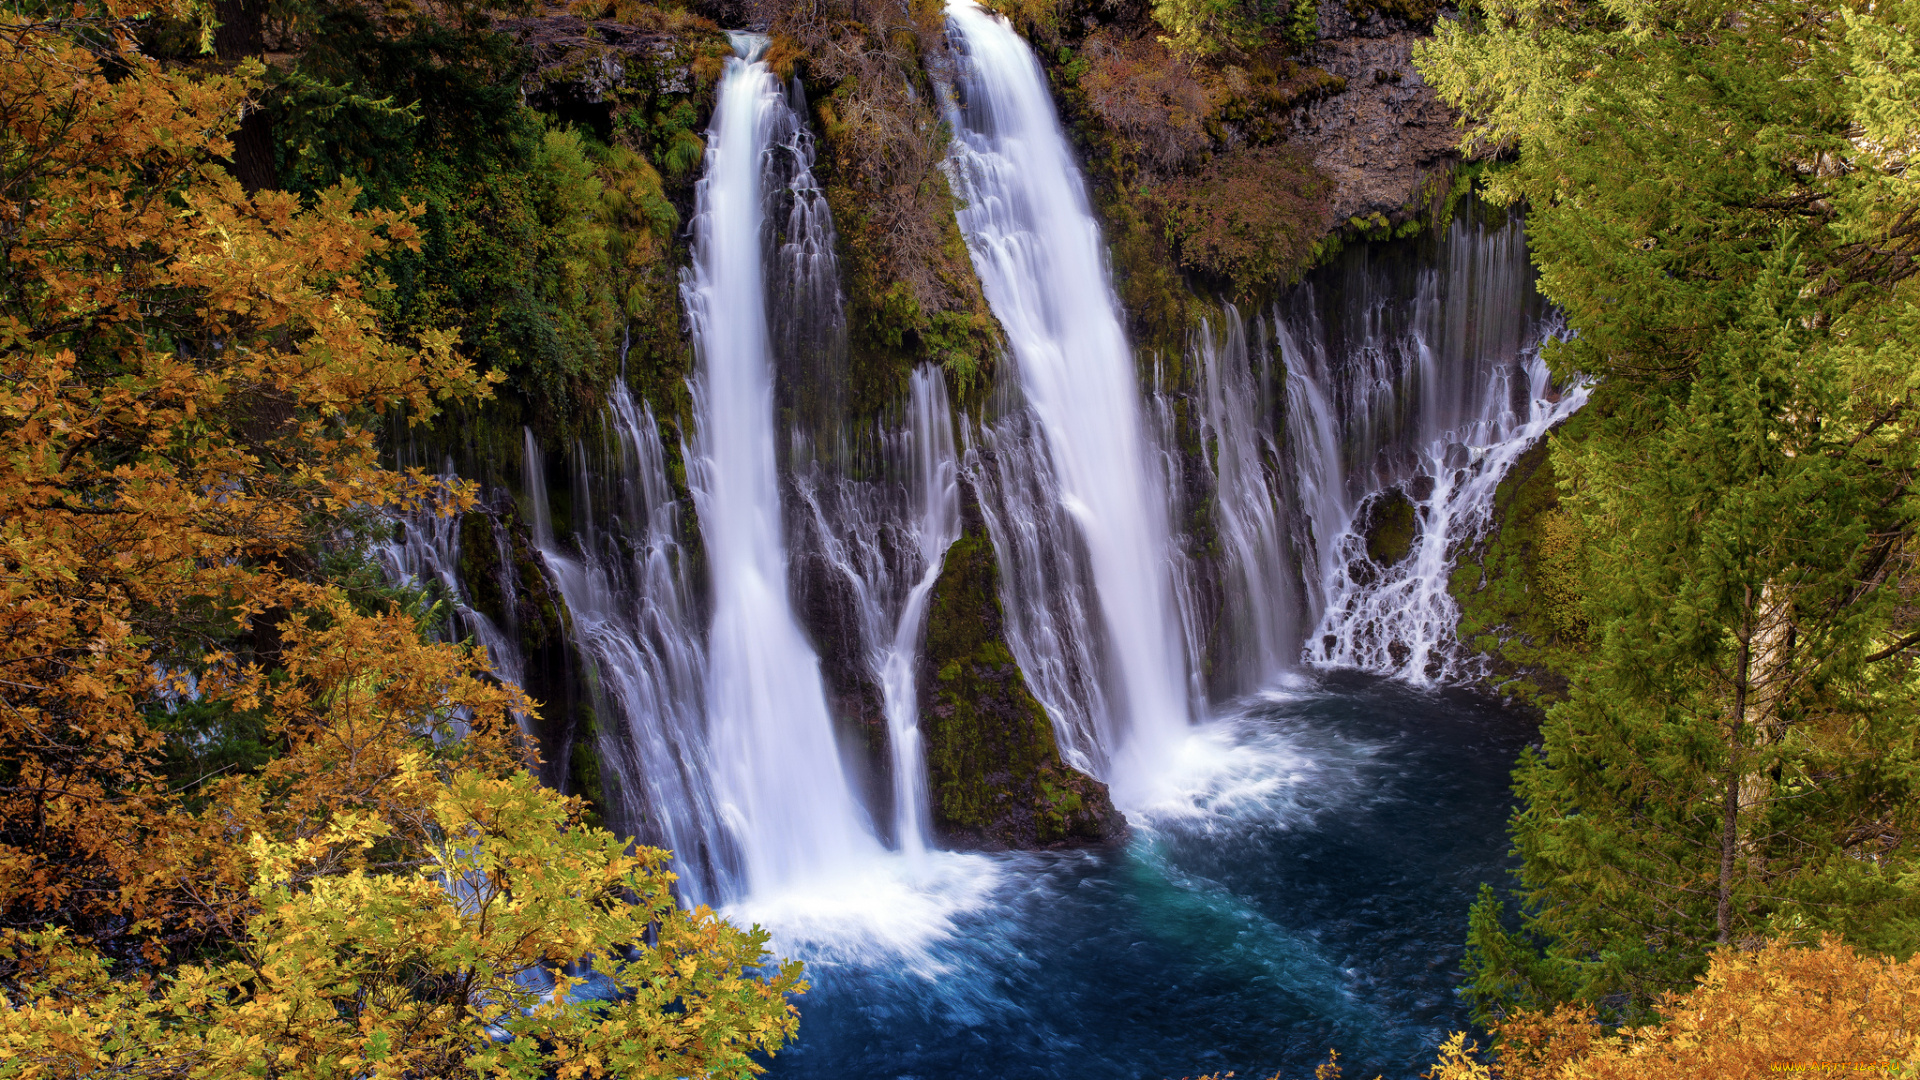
(994, 768)
(1385, 140)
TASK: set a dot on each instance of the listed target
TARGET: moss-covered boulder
(995, 771)
(1389, 527)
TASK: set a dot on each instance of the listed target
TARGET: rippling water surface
(1299, 881)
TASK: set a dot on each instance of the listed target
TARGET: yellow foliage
(414, 972)
(1780, 1011)
(191, 381)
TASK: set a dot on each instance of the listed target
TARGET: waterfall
(1434, 400)
(783, 791)
(806, 312)
(884, 540)
(930, 451)
(1038, 251)
(1257, 636)
(1046, 585)
(425, 553)
(626, 582)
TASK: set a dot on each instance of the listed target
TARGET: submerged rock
(993, 768)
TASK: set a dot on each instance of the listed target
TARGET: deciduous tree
(1779, 1010)
(191, 377)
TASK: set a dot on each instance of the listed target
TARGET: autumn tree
(191, 376)
(1779, 1010)
(1718, 198)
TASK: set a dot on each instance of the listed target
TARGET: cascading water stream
(1038, 251)
(1258, 594)
(426, 550)
(1046, 586)
(929, 439)
(625, 581)
(884, 539)
(1436, 400)
(783, 790)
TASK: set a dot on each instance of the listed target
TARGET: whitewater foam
(894, 909)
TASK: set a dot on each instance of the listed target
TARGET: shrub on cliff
(1188, 163)
(1253, 218)
(1147, 96)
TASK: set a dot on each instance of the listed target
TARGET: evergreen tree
(1718, 197)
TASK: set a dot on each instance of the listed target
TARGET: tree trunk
(1730, 805)
(241, 34)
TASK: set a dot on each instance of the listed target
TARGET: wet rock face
(1388, 134)
(506, 581)
(993, 768)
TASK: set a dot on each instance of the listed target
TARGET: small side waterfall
(935, 469)
(1258, 634)
(425, 553)
(806, 310)
(1047, 585)
(627, 583)
(1039, 254)
(783, 791)
(1434, 400)
(884, 539)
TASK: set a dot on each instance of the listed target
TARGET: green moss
(1390, 528)
(894, 324)
(912, 295)
(1520, 592)
(994, 769)
(585, 764)
(480, 566)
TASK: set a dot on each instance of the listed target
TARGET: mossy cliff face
(993, 766)
(1186, 158)
(912, 296)
(1519, 590)
(505, 580)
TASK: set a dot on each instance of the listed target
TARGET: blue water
(1302, 884)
